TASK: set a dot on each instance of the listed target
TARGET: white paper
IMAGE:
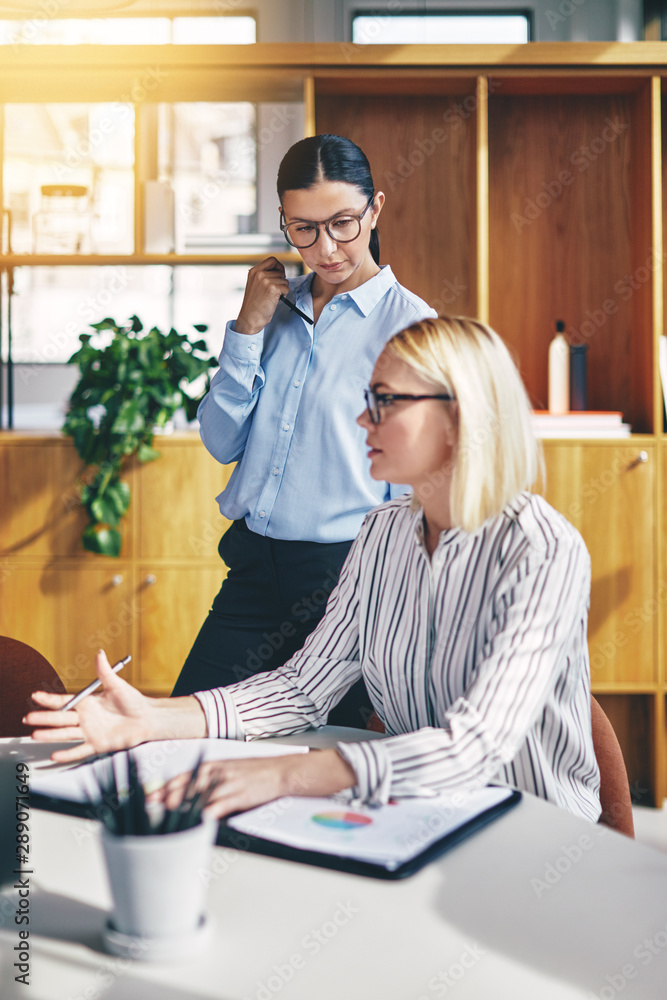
(156, 763)
(388, 836)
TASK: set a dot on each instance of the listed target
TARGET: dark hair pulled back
(328, 158)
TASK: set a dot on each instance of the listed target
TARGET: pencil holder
(158, 892)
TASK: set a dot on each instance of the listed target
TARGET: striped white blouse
(476, 660)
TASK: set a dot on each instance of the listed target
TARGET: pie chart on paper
(340, 820)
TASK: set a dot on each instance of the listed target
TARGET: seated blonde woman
(464, 608)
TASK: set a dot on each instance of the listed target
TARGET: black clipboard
(241, 841)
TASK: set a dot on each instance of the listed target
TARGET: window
(51, 306)
(68, 177)
(43, 30)
(445, 28)
(69, 181)
(94, 232)
(207, 154)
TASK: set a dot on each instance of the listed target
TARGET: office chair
(614, 786)
(22, 671)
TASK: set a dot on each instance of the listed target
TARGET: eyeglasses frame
(371, 396)
(284, 226)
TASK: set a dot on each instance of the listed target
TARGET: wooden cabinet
(173, 602)
(150, 602)
(607, 492)
(68, 612)
(524, 184)
(527, 196)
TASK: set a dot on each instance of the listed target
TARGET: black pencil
(283, 298)
(173, 818)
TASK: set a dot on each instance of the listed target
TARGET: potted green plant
(132, 382)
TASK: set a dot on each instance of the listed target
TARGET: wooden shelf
(524, 184)
(138, 259)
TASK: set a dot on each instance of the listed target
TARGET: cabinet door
(173, 602)
(40, 513)
(68, 613)
(607, 492)
(178, 514)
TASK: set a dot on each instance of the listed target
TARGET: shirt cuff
(222, 718)
(372, 766)
(245, 347)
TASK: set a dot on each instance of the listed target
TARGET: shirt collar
(301, 286)
(446, 537)
(365, 297)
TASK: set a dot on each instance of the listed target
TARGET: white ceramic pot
(158, 891)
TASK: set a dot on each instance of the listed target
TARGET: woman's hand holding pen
(116, 717)
(266, 283)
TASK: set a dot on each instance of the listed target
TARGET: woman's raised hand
(115, 717)
(266, 283)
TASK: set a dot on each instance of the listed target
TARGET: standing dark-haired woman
(283, 406)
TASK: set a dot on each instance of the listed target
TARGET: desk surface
(538, 906)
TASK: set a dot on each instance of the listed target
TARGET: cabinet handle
(641, 458)
(116, 580)
(150, 579)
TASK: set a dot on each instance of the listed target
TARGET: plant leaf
(146, 453)
(104, 541)
(129, 418)
(104, 511)
(111, 503)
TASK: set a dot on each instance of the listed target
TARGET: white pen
(93, 686)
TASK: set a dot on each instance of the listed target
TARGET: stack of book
(580, 424)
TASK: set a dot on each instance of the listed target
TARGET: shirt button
(262, 513)
(297, 384)
(253, 347)
(333, 307)
(285, 427)
(275, 471)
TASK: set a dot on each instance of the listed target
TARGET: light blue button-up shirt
(284, 404)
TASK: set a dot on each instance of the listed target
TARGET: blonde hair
(496, 455)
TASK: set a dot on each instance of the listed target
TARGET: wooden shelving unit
(524, 184)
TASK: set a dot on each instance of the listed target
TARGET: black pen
(283, 298)
(93, 686)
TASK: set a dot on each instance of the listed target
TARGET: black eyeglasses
(339, 228)
(375, 401)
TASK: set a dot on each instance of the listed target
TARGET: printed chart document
(156, 763)
(387, 836)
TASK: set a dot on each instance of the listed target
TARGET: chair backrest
(614, 786)
(22, 671)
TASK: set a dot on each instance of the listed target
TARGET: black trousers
(273, 596)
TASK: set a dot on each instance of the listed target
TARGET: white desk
(472, 925)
